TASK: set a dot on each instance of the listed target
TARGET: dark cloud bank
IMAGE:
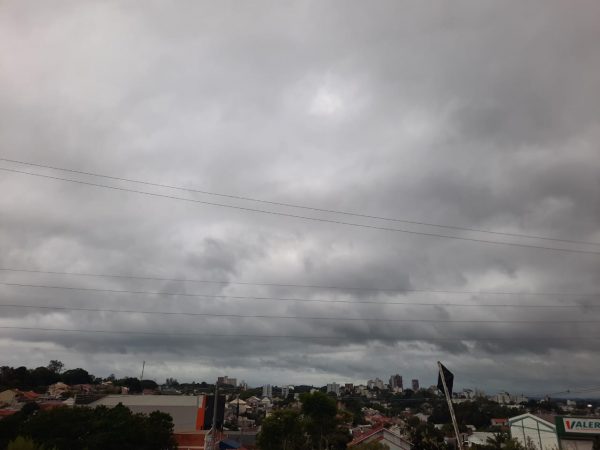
(476, 114)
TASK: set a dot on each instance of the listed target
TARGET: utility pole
(212, 443)
(451, 408)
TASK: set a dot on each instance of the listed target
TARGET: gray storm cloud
(481, 115)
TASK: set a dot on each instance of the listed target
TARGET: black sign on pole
(208, 412)
(448, 378)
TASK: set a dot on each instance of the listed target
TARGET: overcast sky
(482, 115)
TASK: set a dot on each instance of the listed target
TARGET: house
(390, 437)
(8, 397)
(265, 403)
(531, 430)
(253, 401)
(57, 389)
(503, 422)
(479, 438)
(238, 403)
(12, 397)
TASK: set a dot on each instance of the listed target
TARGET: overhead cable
(292, 205)
(314, 219)
(271, 316)
(309, 286)
(313, 337)
(284, 299)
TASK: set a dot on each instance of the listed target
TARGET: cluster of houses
(241, 417)
(58, 394)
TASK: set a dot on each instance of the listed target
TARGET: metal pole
(213, 430)
(451, 408)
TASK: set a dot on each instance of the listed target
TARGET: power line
(567, 391)
(309, 208)
(283, 299)
(576, 391)
(268, 316)
(314, 219)
(310, 286)
(288, 336)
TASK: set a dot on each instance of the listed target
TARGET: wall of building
(536, 431)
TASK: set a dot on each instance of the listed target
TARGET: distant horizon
(252, 385)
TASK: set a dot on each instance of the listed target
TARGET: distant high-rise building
(376, 383)
(243, 385)
(285, 391)
(227, 380)
(415, 385)
(333, 387)
(349, 388)
(267, 391)
(396, 383)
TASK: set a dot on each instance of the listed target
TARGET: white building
(479, 438)
(227, 380)
(529, 429)
(503, 398)
(286, 390)
(376, 383)
(333, 387)
(518, 398)
(187, 411)
(267, 391)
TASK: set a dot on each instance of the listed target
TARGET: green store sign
(570, 426)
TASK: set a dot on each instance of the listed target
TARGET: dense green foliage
(84, 428)
(41, 377)
(283, 430)
(424, 436)
(316, 426)
(478, 413)
(22, 443)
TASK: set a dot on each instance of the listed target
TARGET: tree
(172, 382)
(148, 384)
(55, 366)
(133, 384)
(354, 406)
(424, 436)
(319, 411)
(42, 376)
(283, 430)
(77, 376)
(102, 428)
(23, 443)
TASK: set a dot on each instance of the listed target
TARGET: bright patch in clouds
(326, 103)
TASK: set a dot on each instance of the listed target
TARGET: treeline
(478, 413)
(40, 378)
(24, 378)
(80, 428)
